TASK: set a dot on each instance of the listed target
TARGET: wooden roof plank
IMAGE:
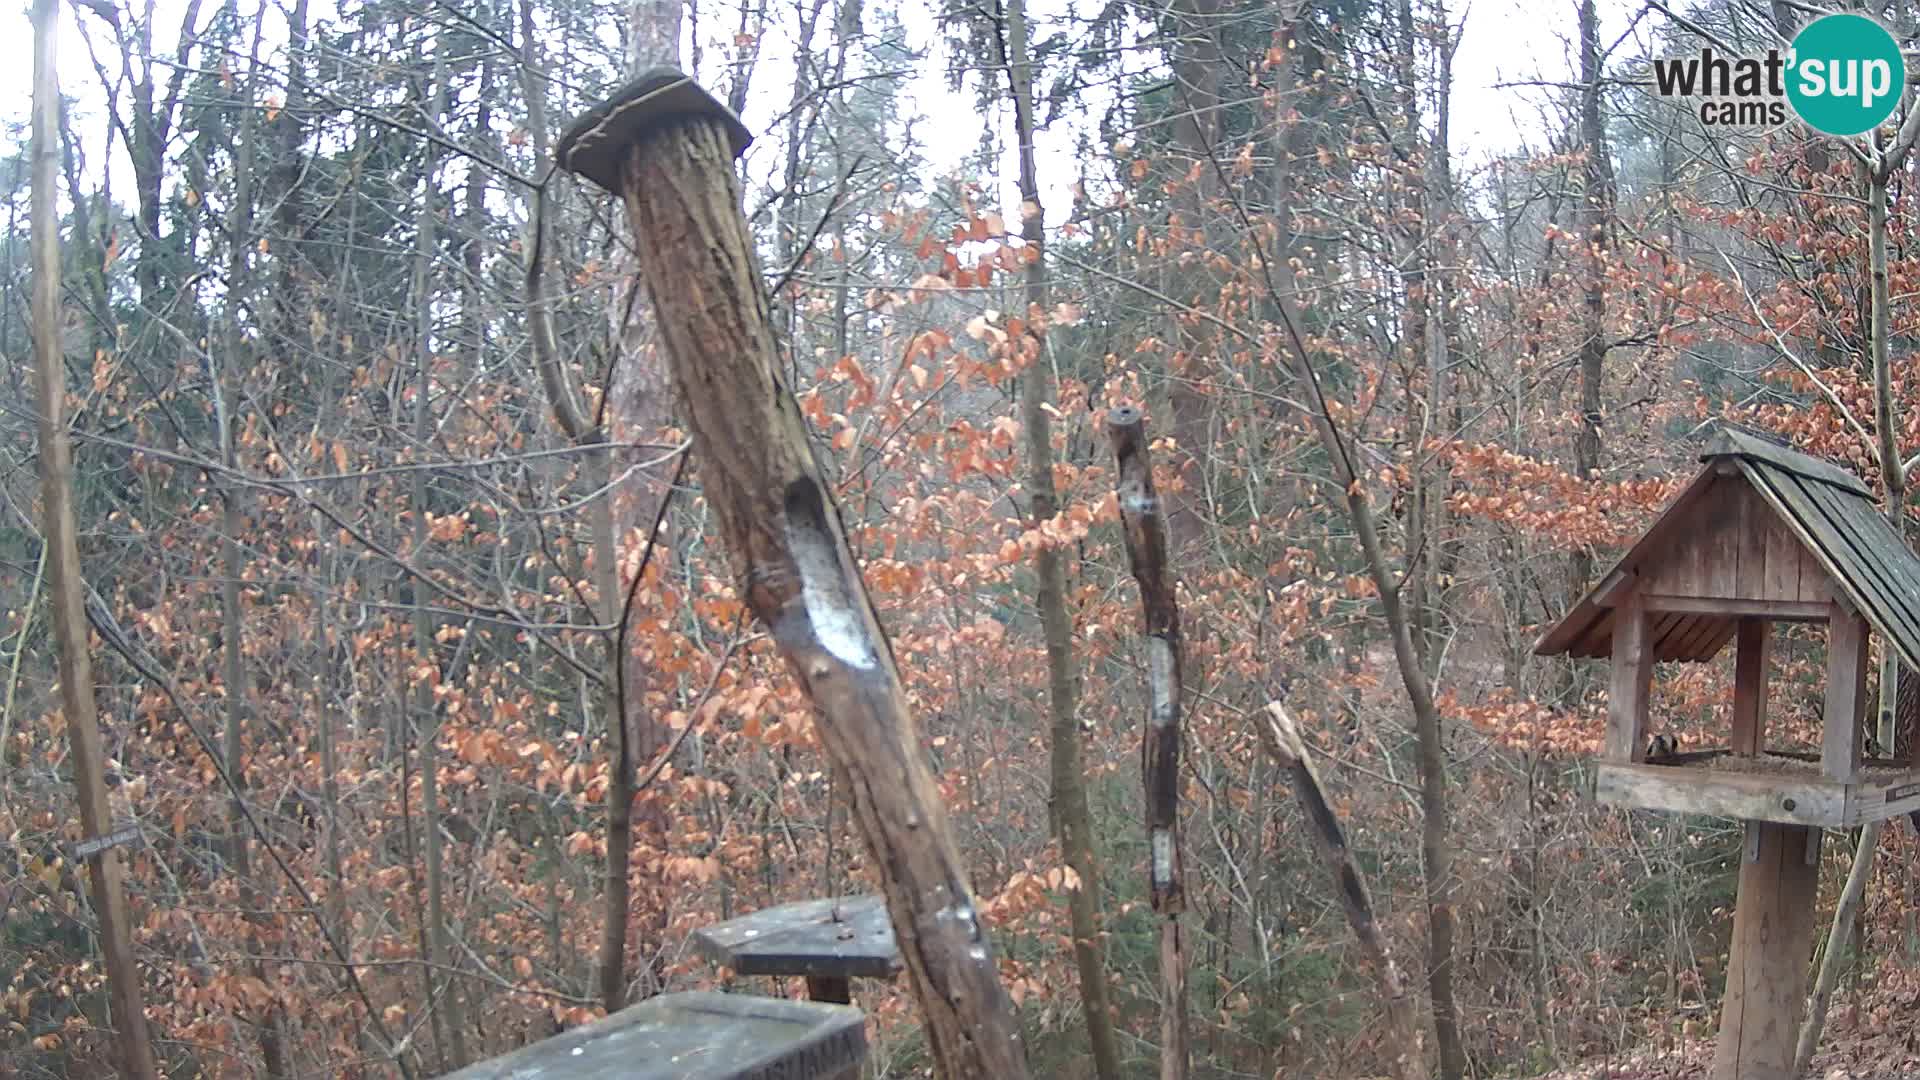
(1581, 617)
(1731, 442)
(1881, 575)
(1828, 512)
(1837, 555)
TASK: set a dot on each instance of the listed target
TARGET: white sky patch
(1505, 42)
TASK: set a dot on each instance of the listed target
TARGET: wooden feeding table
(696, 1036)
(1762, 535)
(830, 942)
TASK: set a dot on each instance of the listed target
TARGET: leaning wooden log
(1289, 751)
(1145, 530)
(667, 148)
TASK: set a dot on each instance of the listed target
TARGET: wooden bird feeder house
(1762, 535)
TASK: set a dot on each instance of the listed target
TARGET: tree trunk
(797, 573)
(104, 869)
(1595, 209)
(1893, 481)
(228, 391)
(445, 999)
(1142, 525)
(1435, 847)
(1072, 820)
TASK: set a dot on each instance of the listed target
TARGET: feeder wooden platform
(1783, 788)
(828, 941)
(696, 1036)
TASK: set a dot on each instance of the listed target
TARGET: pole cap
(595, 144)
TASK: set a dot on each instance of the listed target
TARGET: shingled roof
(1829, 511)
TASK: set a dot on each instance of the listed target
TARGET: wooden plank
(1839, 560)
(844, 937)
(1755, 525)
(1750, 686)
(1781, 610)
(1719, 539)
(1767, 958)
(1882, 577)
(1784, 554)
(1663, 625)
(1894, 558)
(1692, 638)
(1597, 641)
(1742, 444)
(1614, 587)
(695, 1036)
(1878, 802)
(1720, 638)
(1846, 696)
(1579, 620)
(1722, 793)
(1670, 644)
(1632, 676)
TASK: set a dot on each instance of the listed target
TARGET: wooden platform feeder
(696, 1036)
(829, 942)
(1762, 535)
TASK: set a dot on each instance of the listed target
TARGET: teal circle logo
(1846, 74)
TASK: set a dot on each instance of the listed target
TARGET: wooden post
(104, 870)
(1767, 961)
(1145, 530)
(1631, 678)
(667, 148)
(1754, 644)
(1846, 695)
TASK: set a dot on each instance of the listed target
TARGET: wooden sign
(125, 834)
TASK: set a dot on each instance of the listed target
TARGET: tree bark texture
(797, 574)
(1144, 527)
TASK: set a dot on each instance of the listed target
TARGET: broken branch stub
(667, 149)
(1289, 751)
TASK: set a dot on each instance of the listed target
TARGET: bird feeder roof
(1750, 488)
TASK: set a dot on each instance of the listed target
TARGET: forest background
(361, 531)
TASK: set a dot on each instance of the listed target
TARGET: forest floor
(1868, 1037)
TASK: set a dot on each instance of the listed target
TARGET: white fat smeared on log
(1161, 843)
(1160, 676)
(837, 625)
(1139, 502)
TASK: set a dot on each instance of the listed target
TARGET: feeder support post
(667, 148)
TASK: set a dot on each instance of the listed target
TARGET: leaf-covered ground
(1869, 1037)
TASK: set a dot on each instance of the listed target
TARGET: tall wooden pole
(104, 871)
(1144, 528)
(667, 148)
